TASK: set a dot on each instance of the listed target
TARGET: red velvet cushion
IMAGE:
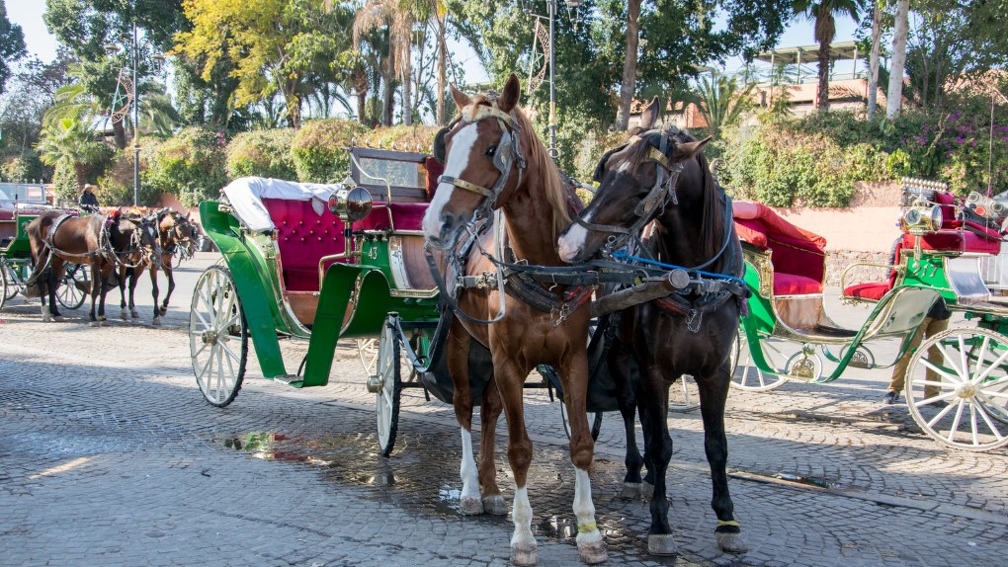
(303, 237)
(791, 284)
(434, 170)
(873, 290)
(405, 216)
(954, 241)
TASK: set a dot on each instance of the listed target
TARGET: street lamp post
(136, 122)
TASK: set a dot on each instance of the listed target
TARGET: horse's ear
(689, 150)
(650, 114)
(508, 99)
(461, 99)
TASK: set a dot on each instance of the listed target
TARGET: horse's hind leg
(490, 410)
(713, 394)
(457, 351)
(167, 268)
(123, 272)
(622, 368)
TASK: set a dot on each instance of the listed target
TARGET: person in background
(934, 322)
(88, 201)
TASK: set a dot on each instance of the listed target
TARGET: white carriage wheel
(218, 336)
(68, 293)
(367, 352)
(970, 374)
(745, 374)
(10, 281)
(390, 377)
(3, 284)
(689, 400)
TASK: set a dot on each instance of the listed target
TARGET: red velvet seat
(799, 256)
(303, 237)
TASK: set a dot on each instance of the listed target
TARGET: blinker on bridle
(507, 155)
(661, 193)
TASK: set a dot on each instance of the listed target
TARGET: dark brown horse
(97, 240)
(174, 231)
(662, 176)
(495, 162)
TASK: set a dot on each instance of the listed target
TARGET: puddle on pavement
(424, 460)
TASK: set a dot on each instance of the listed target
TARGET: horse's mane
(536, 153)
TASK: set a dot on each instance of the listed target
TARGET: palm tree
(72, 140)
(723, 101)
(824, 12)
(873, 60)
(394, 18)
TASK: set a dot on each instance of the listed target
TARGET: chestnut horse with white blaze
(495, 166)
(662, 177)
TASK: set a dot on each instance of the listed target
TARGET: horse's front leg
(457, 351)
(490, 410)
(123, 274)
(653, 403)
(591, 546)
(53, 313)
(97, 285)
(713, 394)
(170, 274)
(105, 287)
(154, 294)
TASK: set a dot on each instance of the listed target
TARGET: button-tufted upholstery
(303, 237)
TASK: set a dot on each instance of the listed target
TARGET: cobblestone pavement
(110, 456)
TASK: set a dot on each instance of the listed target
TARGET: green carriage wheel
(389, 384)
(218, 336)
(963, 403)
(70, 293)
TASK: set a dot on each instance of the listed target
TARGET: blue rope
(623, 254)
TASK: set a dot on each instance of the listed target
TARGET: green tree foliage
(71, 140)
(191, 165)
(274, 45)
(319, 149)
(262, 153)
(723, 101)
(12, 45)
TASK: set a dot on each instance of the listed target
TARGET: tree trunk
(119, 134)
(388, 100)
(822, 96)
(873, 60)
(441, 58)
(407, 90)
(628, 85)
(895, 93)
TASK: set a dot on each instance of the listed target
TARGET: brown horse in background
(495, 161)
(96, 240)
(174, 231)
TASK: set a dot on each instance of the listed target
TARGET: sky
(28, 14)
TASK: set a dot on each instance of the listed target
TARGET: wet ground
(110, 456)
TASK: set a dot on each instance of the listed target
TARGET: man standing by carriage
(88, 201)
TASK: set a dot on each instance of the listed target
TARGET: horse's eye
(491, 151)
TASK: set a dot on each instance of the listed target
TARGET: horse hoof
(470, 506)
(729, 542)
(631, 491)
(156, 322)
(524, 556)
(124, 315)
(58, 318)
(495, 505)
(593, 553)
(661, 544)
(163, 309)
(134, 314)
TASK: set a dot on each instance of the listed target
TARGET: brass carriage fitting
(350, 203)
(374, 384)
(921, 218)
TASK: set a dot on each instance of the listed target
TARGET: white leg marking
(591, 548)
(470, 501)
(522, 539)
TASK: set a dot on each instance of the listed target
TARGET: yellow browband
(653, 153)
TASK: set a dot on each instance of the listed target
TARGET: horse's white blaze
(522, 516)
(467, 470)
(584, 509)
(572, 241)
(456, 162)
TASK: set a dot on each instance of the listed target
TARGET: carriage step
(290, 379)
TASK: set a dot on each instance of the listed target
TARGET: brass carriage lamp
(350, 202)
